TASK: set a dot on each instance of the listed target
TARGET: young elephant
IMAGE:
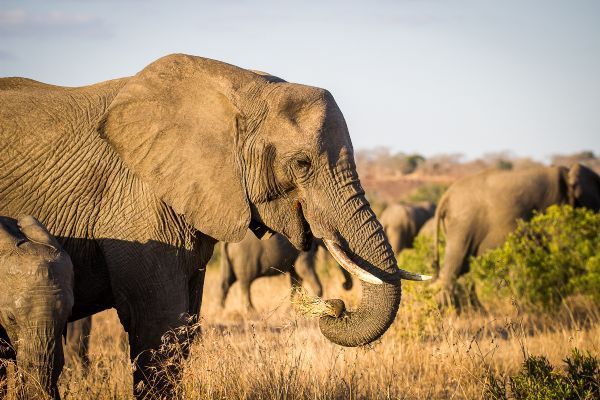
(402, 222)
(78, 340)
(36, 297)
(479, 211)
(253, 258)
(428, 229)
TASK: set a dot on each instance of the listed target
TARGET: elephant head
(584, 187)
(36, 297)
(230, 148)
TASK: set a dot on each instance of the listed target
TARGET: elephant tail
(440, 213)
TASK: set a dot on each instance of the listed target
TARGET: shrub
(555, 255)
(421, 316)
(429, 192)
(539, 380)
(504, 164)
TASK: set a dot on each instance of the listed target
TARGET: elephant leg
(152, 298)
(78, 339)
(227, 279)
(246, 298)
(295, 281)
(348, 283)
(307, 274)
(159, 342)
(455, 265)
(7, 354)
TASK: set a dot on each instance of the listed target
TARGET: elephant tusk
(410, 276)
(342, 258)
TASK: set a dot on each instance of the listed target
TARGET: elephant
(402, 222)
(253, 258)
(139, 177)
(428, 228)
(36, 297)
(78, 340)
(479, 211)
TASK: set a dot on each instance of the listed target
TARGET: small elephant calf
(36, 297)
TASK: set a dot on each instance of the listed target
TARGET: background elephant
(428, 228)
(139, 177)
(78, 340)
(36, 296)
(402, 222)
(253, 258)
(479, 211)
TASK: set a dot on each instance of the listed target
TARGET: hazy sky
(429, 76)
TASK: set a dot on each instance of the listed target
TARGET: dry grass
(280, 355)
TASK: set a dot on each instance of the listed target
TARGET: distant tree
(584, 157)
(504, 164)
(406, 163)
(441, 164)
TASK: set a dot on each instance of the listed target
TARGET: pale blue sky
(430, 76)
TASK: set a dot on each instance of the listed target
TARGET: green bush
(420, 257)
(554, 255)
(540, 381)
(429, 192)
(419, 308)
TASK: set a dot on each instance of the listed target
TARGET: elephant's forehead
(25, 265)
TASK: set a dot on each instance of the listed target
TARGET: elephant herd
(114, 195)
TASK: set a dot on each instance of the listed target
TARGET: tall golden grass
(278, 354)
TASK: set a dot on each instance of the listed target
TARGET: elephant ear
(175, 126)
(584, 187)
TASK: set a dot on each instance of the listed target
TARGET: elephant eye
(301, 166)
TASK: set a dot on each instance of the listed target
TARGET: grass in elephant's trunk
(311, 306)
(279, 354)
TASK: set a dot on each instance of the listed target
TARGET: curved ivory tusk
(410, 276)
(342, 258)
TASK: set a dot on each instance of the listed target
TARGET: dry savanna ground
(278, 354)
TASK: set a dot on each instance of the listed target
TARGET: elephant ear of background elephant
(584, 184)
(175, 126)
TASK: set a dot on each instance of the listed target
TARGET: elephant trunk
(40, 360)
(362, 247)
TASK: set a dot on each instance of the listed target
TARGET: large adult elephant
(479, 211)
(402, 222)
(139, 177)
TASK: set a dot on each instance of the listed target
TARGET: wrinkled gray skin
(479, 211)
(36, 296)
(402, 222)
(139, 177)
(253, 258)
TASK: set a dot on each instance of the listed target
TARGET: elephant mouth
(306, 236)
(302, 237)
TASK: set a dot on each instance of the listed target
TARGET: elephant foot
(250, 313)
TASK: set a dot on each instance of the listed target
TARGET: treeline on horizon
(381, 161)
